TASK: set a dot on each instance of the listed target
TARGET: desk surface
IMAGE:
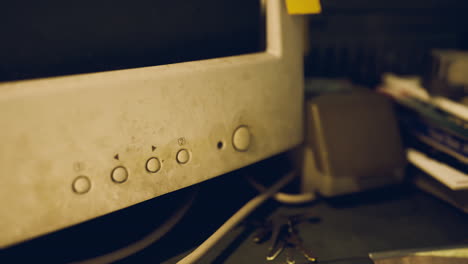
(398, 217)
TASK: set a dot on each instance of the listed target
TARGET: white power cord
(285, 198)
(235, 219)
(146, 241)
(216, 236)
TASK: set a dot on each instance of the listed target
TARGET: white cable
(285, 198)
(235, 219)
(145, 242)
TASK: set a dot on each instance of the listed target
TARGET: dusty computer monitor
(93, 119)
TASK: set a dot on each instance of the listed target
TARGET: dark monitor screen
(56, 37)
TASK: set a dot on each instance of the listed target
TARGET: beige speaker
(352, 144)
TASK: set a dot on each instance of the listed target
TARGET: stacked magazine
(435, 131)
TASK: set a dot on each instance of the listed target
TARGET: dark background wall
(361, 39)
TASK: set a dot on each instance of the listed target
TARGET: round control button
(183, 156)
(81, 185)
(153, 165)
(241, 138)
(119, 174)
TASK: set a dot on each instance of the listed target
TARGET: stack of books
(435, 131)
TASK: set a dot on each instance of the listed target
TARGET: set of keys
(284, 236)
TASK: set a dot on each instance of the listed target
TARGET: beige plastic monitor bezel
(54, 130)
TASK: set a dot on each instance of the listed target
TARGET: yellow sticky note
(296, 7)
